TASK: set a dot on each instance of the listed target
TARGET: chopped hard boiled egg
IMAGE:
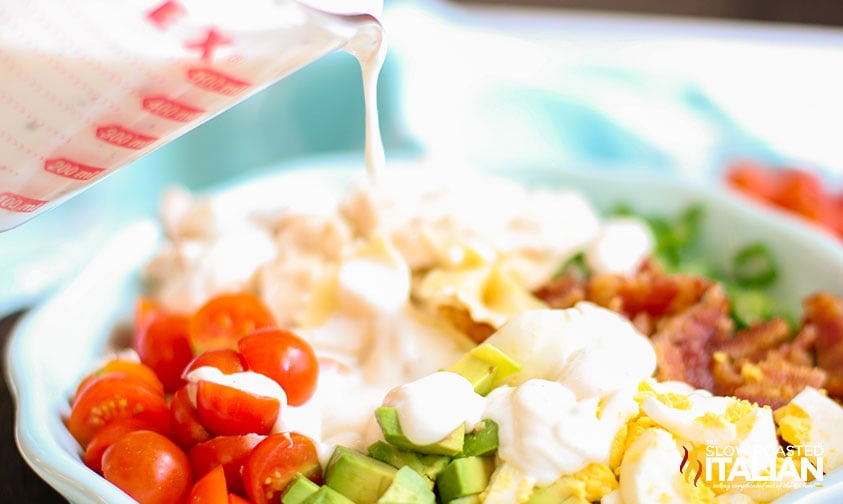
(650, 472)
(814, 422)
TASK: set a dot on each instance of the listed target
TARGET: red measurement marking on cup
(209, 44)
(71, 169)
(216, 82)
(165, 14)
(170, 109)
(18, 203)
(122, 137)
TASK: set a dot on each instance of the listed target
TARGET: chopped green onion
(753, 266)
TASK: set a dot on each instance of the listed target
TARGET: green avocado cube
(554, 494)
(482, 440)
(408, 487)
(327, 495)
(505, 366)
(428, 466)
(358, 476)
(299, 489)
(464, 476)
(485, 367)
(387, 418)
(478, 372)
(468, 499)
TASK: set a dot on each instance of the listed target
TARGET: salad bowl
(58, 342)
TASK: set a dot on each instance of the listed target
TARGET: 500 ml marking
(726, 466)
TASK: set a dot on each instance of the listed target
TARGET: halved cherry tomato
(164, 346)
(284, 357)
(226, 360)
(226, 318)
(113, 397)
(753, 180)
(229, 452)
(210, 489)
(146, 310)
(185, 426)
(225, 410)
(125, 368)
(106, 436)
(149, 467)
(275, 461)
(236, 499)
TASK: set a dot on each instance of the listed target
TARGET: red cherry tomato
(164, 346)
(226, 360)
(185, 426)
(226, 318)
(109, 398)
(229, 452)
(236, 499)
(149, 467)
(106, 436)
(210, 489)
(225, 410)
(125, 368)
(284, 357)
(275, 461)
(146, 310)
(753, 180)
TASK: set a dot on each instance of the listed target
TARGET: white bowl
(56, 344)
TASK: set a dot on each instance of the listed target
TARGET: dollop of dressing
(448, 395)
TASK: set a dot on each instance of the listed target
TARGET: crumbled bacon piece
(461, 320)
(562, 292)
(778, 381)
(648, 291)
(824, 313)
(754, 342)
(684, 342)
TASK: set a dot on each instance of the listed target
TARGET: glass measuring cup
(87, 86)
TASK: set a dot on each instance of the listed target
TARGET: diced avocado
(559, 492)
(468, 499)
(408, 487)
(428, 466)
(482, 440)
(504, 365)
(464, 476)
(485, 367)
(327, 495)
(554, 495)
(478, 372)
(299, 490)
(387, 417)
(358, 476)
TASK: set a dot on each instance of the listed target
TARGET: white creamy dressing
(247, 381)
(347, 280)
(553, 418)
(443, 399)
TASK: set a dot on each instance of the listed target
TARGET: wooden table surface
(18, 483)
